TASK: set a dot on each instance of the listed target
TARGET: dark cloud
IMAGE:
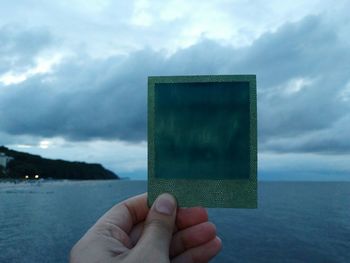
(332, 140)
(19, 47)
(86, 98)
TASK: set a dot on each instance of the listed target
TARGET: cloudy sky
(73, 76)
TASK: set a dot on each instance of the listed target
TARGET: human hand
(130, 232)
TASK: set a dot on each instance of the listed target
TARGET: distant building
(4, 160)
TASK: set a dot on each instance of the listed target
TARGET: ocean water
(295, 221)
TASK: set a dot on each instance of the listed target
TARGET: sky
(73, 77)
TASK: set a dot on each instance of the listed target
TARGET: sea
(294, 221)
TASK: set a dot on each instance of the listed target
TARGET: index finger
(187, 217)
(127, 213)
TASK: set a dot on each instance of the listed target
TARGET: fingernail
(219, 242)
(165, 204)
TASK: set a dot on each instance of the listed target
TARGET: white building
(4, 160)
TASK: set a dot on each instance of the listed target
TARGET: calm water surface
(295, 221)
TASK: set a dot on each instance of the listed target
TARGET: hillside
(24, 164)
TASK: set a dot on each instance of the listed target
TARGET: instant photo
(202, 142)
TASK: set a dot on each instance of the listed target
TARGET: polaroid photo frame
(202, 140)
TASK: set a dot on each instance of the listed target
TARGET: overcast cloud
(84, 84)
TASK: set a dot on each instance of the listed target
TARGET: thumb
(159, 225)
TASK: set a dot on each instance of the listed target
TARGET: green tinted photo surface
(202, 140)
(202, 130)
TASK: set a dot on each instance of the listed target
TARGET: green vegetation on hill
(28, 164)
